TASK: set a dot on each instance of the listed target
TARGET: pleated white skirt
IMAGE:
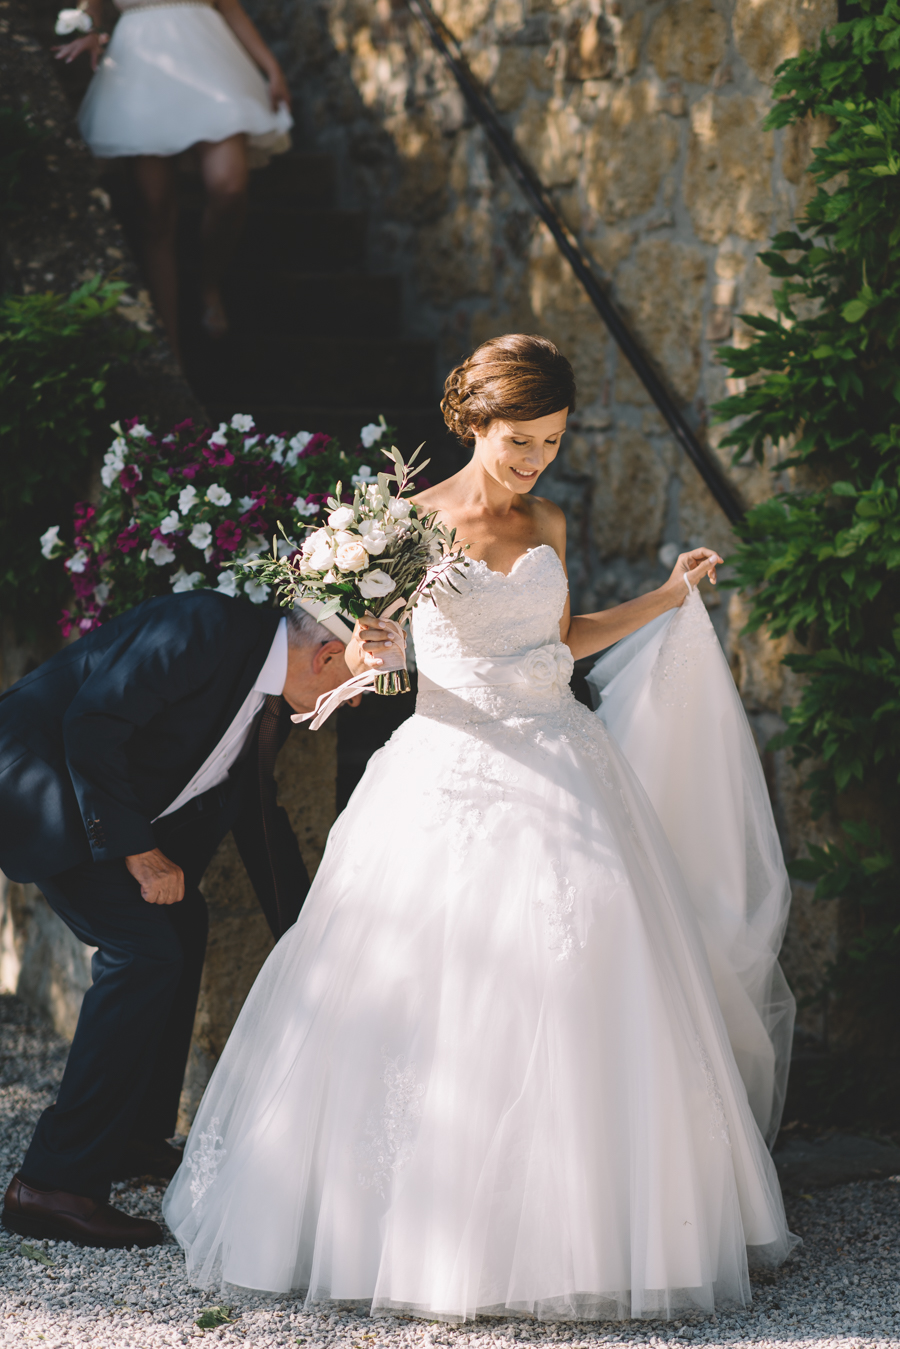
(174, 75)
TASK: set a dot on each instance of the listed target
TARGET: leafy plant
(56, 353)
(181, 511)
(822, 560)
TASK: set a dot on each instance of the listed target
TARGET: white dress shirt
(215, 769)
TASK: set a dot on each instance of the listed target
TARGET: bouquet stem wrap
(393, 672)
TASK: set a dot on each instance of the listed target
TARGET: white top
(215, 769)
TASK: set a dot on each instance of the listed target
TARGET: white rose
(344, 536)
(322, 558)
(244, 504)
(370, 433)
(375, 542)
(72, 21)
(50, 541)
(218, 496)
(186, 498)
(319, 538)
(351, 557)
(78, 561)
(341, 518)
(184, 580)
(200, 535)
(399, 508)
(160, 553)
(255, 591)
(241, 421)
(227, 584)
(545, 666)
(170, 523)
(376, 584)
(306, 508)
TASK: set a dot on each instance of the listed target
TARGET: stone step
(329, 304)
(287, 238)
(414, 425)
(315, 370)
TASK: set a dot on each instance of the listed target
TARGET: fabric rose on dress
(376, 584)
(351, 556)
(229, 535)
(546, 666)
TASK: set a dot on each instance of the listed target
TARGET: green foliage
(56, 353)
(823, 561)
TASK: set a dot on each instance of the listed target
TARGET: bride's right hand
(91, 42)
(692, 567)
(367, 646)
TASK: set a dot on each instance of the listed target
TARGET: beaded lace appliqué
(718, 1128)
(559, 908)
(205, 1160)
(391, 1135)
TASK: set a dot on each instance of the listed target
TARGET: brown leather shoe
(142, 1158)
(73, 1217)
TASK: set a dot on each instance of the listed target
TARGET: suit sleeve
(164, 659)
(275, 866)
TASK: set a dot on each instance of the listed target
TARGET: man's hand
(161, 881)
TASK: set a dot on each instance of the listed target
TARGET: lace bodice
(490, 614)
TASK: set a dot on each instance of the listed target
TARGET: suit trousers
(126, 1066)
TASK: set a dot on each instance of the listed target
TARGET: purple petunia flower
(317, 444)
(228, 536)
(218, 455)
(130, 477)
(128, 539)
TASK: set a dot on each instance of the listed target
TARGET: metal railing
(539, 200)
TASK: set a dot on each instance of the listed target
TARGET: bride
(520, 1049)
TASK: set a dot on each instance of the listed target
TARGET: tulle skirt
(174, 75)
(487, 1071)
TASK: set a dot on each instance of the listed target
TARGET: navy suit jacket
(100, 739)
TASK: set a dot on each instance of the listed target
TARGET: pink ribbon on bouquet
(395, 659)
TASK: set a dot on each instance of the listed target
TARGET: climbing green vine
(822, 559)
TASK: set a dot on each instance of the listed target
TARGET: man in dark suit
(124, 761)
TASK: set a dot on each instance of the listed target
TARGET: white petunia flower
(296, 445)
(186, 498)
(376, 584)
(101, 593)
(227, 583)
(218, 436)
(370, 433)
(50, 541)
(200, 535)
(184, 580)
(140, 431)
(277, 444)
(244, 504)
(242, 421)
(218, 495)
(286, 547)
(363, 478)
(255, 591)
(160, 553)
(112, 467)
(78, 561)
(73, 21)
(249, 442)
(342, 517)
(170, 523)
(168, 440)
(306, 508)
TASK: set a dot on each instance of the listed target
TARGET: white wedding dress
(488, 1069)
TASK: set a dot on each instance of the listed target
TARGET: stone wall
(644, 117)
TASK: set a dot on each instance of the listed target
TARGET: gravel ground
(840, 1288)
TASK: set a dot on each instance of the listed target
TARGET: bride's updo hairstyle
(514, 378)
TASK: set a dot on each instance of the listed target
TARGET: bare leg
(223, 165)
(155, 178)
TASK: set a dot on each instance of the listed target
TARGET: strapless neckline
(507, 575)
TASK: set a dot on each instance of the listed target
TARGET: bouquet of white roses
(376, 557)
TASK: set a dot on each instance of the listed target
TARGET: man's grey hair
(303, 630)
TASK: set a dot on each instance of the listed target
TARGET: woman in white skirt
(176, 74)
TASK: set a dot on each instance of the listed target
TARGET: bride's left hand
(368, 645)
(692, 567)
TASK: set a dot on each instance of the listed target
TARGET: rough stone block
(629, 501)
(767, 32)
(688, 40)
(661, 289)
(628, 150)
(728, 175)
